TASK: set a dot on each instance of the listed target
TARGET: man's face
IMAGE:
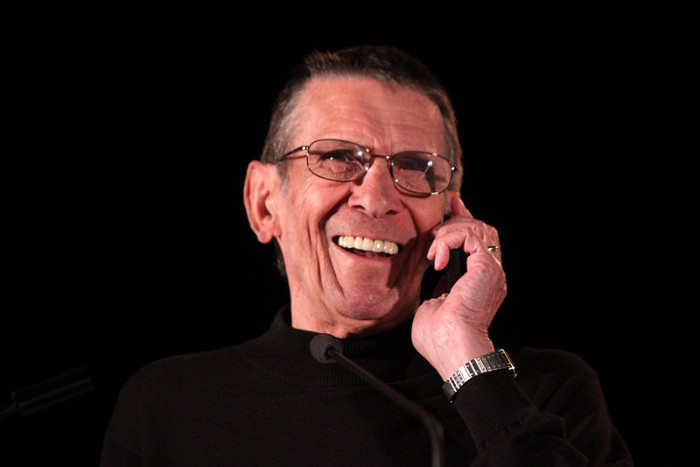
(347, 291)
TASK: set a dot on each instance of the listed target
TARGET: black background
(130, 131)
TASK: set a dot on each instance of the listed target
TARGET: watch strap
(494, 361)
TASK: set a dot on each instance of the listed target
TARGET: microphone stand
(431, 422)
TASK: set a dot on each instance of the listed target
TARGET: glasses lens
(336, 160)
(421, 172)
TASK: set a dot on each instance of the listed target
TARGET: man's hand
(453, 329)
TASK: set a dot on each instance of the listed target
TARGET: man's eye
(407, 163)
(340, 155)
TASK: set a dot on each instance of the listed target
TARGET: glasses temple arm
(300, 148)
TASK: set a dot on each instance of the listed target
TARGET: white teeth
(367, 244)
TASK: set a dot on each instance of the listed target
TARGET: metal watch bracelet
(498, 360)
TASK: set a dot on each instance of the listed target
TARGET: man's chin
(371, 312)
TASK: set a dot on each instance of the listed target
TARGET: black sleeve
(122, 445)
(509, 430)
(116, 455)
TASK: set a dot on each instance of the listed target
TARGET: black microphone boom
(327, 349)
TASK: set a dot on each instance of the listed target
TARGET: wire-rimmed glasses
(419, 172)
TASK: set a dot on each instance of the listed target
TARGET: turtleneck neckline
(283, 352)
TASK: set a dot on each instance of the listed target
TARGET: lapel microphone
(327, 349)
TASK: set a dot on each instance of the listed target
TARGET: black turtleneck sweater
(267, 402)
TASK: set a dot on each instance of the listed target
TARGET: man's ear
(261, 189)
(456, 205)
(449, 196)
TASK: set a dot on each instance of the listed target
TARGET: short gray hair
(386, 64)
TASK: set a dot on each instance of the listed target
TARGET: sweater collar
(284, 352)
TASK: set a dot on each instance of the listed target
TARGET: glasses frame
(368, 165)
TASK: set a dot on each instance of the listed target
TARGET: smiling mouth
(363, 245)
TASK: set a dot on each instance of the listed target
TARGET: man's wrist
(453, 358)
(493, 361)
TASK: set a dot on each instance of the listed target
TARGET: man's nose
(376, 193)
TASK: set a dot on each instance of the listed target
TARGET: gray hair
(386, 64)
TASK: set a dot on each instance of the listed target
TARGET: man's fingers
(462, 232)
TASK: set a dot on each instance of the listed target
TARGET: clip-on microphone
(327, 349)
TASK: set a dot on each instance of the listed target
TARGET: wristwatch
(498, 360)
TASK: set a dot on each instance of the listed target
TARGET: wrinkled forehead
(386, 118)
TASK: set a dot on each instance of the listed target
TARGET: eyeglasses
(419, 172)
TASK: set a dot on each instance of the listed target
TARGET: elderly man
(358, 187)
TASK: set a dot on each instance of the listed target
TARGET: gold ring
(493, 248)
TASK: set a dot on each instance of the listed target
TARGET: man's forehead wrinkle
(363, 116)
